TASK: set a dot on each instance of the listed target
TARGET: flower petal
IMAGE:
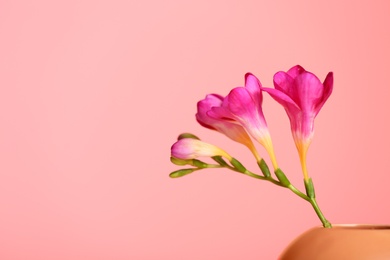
(240, 102)
(284, 83)
(245, 111)
(221, 113)
(295, 71)
(282, 99)
(211, 100)
(328, 88)
(253, 86)
(309, 91)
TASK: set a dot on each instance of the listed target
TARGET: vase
(344, 242)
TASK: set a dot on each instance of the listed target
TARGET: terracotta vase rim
(358, 226)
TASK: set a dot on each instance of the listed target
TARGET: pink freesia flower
(225, 126)
(243, 107)
(189, 148)
(302, 95)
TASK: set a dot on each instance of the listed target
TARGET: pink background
(93, 94)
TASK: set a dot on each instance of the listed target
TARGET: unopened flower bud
(180, 173)
(180, 162)
(187, 135)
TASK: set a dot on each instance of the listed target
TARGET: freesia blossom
(189, 148)
(233, 131)
(302, 95)
(243, 107)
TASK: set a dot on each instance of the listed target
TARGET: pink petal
(204, 106)
(295, 71)
(328, 88)
(241, 103)
(284, 83)
(220, 113)
(183, 149)
(245, 111)
(253, 85)
(282, 99)
(309, 91)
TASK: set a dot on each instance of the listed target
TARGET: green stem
(254, 175)
(291, 187)
(298, 192)
(313, 202)
(324, 221)
(270, 179)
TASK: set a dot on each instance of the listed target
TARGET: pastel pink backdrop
(93, 94)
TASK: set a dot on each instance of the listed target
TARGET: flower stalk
(235, 165)
(239, 116)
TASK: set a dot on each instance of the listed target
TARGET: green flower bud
(199, 164)
(180, 162)
(187, 135)
(180, 173)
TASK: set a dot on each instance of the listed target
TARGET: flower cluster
(240, 117)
